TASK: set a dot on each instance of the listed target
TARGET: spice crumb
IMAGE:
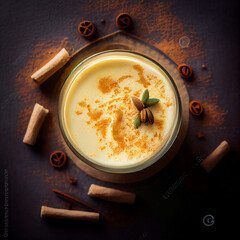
(203, 66)
(72, 180)
(78, 112)
(102, 20)
(200, 135)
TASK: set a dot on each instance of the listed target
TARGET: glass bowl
(130, 168)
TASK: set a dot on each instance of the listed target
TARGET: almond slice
(138, 103)
(143, 115)
(149, 116)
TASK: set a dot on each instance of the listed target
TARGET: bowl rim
(163, 150)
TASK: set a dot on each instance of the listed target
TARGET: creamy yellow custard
(98, 112)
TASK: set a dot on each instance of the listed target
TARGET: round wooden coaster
(122, 40)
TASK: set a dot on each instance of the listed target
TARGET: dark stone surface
(28, 28)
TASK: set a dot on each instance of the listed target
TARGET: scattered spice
(78, 112)
(95, 115)
(82, 104)
(196, 108)
(214, 116)
(102, 126)
(72, 199)
(159, 123)
(200, 135)
(185, 70)
(102, 20)
(124, 77)
(107, 84)
(72, 180)
(123, 20)
(86, 28)
(141, 79)
(116, 130)
(203, 66)
(58, 159)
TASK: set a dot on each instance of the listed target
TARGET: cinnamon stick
(112, 195)
(69, 214)
(215, 157)
(51, 67)
(37, 118)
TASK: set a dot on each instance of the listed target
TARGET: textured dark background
(32, 32)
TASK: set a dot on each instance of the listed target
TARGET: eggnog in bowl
(96, 111)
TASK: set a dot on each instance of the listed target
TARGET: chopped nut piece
(150, 116)
(138, 104)
(72, 180)
(143, 115)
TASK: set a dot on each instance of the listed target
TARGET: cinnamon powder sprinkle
(95, 115)
(141, 79)
(124, 140)
(78, 112)
(137, 93)
(124, 77)
(159, 123)
(142, 145)
(107, 84)
(82, 104)
(116, 130)
(214, 115)
(109, 102)
(102, 126)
